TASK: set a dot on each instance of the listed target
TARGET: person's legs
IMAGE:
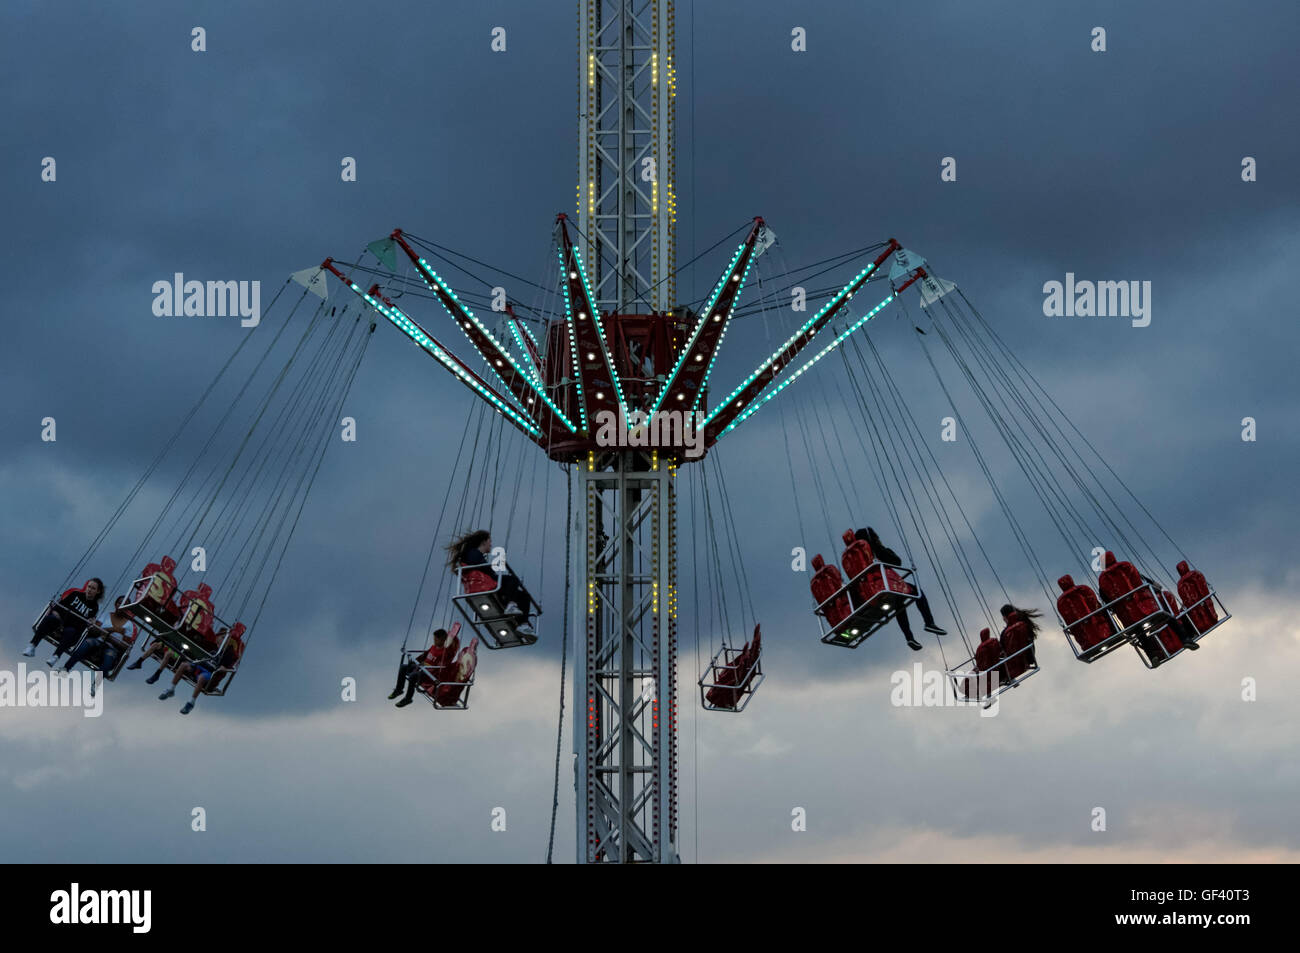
(81, 651)
(199, 684)
(50, 625)
(148, 653)
(405, 671)
(923, 604)
(905, 624)
(68, 640)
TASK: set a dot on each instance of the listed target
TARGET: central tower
(625, 597)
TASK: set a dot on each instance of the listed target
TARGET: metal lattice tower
(627, 204)
(626, 775)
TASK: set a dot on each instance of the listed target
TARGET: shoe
(914, 645)
(152, 678)
(1191, 645)
(29, 651)
(53, 660)
(525, 628)
(394, 693)
(138, 663)
(513, 609)
(187, 708)
(167, 694)
(936, 629)
(404, 702)
(94, 683)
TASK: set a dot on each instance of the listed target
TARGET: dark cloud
(1123, 165)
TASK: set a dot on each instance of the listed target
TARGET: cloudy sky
(1122, 165)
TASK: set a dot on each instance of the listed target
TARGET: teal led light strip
(430, 277)
(600, 332)
(416, 334)
(835, 303)
(705, 315)
(752, 408)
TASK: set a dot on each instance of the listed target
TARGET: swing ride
(611, 377)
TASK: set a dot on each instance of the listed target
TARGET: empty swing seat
(1133, 601)
(733, 676)
(1088, 627)
(478, 599)
(154, 591)
(1199, 601)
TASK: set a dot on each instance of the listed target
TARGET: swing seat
(1088, 627)
(445, 675)
(733, 676)
(452, 693)
(875, 595)
(94, 660)
(186, 643)
(1200, 601)
(990, 675)
(478, 599)
(154, 591)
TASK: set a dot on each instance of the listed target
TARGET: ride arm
(599, 389)
(527, 391)
(434, 348)
(721, 417)
(691, 373)
(711, 437)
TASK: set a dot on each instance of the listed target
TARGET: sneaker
(53, 660)
(138, 663)
(914, 645)
(153, 678)
(171, 690)
(1191, 645)
(29, 651)
(936, 629)
(513, 609)
(404, 702)
(187, 707)
(394, 693)
(525, 628)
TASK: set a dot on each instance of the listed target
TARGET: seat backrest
(826, 579)
(857, 554)
(1117, 578)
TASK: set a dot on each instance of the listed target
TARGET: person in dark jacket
(890, 558)
(67, 619)
(471, 550)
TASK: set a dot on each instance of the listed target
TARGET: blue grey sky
(225, 164)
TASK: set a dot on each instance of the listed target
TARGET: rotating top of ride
(605, 382)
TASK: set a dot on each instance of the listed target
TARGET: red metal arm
(685, 385)
(739, 399)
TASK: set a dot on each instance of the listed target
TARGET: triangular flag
(314, 280)
(932, 289)
(905, 262)
(383, 249)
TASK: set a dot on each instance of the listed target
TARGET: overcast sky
(1122, 165)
